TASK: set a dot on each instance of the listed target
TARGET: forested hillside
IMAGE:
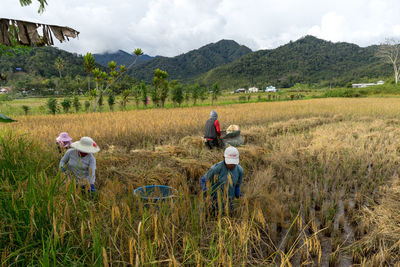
(190, 65)
(307, 60)
(121, 58)
(40, 61)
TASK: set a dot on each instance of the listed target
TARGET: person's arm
(92, 171)
(207, 177)
(203, 183)
(217, 127)
(64, 160)
(237, 186)
(58, 147)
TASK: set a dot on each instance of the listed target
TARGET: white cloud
(331, 27)
(396, 30)
(171, 27)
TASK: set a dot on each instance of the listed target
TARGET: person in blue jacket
(225, 177)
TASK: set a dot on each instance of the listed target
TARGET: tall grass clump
(20, 157)
(26, 198)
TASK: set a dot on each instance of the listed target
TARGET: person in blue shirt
(224, 177)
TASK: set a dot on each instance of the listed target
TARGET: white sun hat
(231, 155)
(86, 145)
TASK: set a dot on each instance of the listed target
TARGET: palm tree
(90, 64)
(138, 52)
(42, 3)
(59, 64)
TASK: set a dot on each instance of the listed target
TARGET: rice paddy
(320, 188)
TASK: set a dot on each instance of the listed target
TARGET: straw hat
(86, 145)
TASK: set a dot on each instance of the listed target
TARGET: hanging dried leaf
(18, 32)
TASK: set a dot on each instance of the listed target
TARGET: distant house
(240, 90)
(270, 89)
(3, 91)
(363, 85)
(253, 90)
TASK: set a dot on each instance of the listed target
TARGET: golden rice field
(321, 188)
(158, 126)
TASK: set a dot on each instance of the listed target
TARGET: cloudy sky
(173, 27)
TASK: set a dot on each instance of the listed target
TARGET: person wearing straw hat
(225, 177)
(63, 142)
(80, 161)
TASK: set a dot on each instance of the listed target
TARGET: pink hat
(64, 137)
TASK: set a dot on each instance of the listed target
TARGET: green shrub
(242, 98)
(344, 92)
(26, 109)
(77, 105)
(66, 104)
(52, 104)
(87, 106)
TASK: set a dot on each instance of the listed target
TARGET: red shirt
(216, 123)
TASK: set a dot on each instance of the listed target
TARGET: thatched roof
(17, 32)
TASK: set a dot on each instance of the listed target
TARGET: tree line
(157, 92)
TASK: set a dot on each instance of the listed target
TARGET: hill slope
(40, 61)
(120, 57)
(194, 63)
(307, 60)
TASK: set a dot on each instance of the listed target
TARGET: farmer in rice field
(212, 132)
(63, 142)
(80, 161)
(225, 177)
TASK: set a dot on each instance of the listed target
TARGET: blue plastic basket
(155, 193)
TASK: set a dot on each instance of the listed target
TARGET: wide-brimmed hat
(231, 155)
(64, 137)
(86, 145)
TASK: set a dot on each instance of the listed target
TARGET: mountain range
(190, 65)
(308, 60)
(121, 58)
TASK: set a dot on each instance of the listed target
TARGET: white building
(3, 91)
(240, 90)
(363, 85)
(270, 89)
(253, 90)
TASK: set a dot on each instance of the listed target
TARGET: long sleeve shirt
(81, 167)
(221, 180)
(217, 127)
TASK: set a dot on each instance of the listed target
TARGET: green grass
(38, 106)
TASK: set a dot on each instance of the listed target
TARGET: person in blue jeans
(225, 178)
